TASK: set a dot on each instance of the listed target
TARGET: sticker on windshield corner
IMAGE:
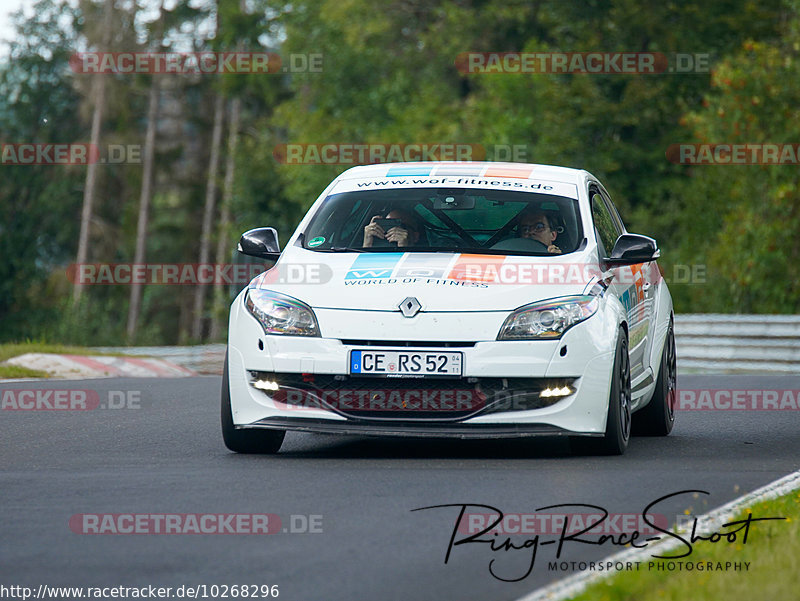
(316, 241)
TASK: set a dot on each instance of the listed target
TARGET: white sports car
(466, 300)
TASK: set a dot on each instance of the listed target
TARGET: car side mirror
(630, 249)
(261, 242)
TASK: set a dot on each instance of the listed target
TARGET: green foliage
(746, 217)
(38, 211)
(389, 76)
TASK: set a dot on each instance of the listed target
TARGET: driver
(405, 235)
(536, 226)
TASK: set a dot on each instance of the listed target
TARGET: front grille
(446, 399)
(406, 343)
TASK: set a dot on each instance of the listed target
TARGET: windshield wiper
(339, 249)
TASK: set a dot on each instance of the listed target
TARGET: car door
(646, 277)
(629, 282)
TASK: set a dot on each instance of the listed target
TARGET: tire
(618, 417)
(658, 416)
(266, 442)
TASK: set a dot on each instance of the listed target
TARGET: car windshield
(435, 219)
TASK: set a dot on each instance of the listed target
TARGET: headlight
(279, 314)
(549, 319)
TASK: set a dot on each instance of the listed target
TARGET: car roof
(468, 169)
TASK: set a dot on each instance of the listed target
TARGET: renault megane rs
(466, 300)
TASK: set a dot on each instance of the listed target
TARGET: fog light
(551, 392)
(266, 385)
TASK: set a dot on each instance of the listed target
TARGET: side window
(607, 231)
(614, 213)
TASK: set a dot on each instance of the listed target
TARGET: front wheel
(618, 420)
(618, 416)
(244, 441)
(658, 416)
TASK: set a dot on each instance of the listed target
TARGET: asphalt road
(163, 454)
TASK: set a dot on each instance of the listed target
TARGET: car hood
(439, 281)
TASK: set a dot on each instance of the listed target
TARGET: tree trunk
(223, 248)
(144, 205)
(208, 213)
(146, 194)
(99, 99)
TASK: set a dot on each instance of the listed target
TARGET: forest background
(204, 155)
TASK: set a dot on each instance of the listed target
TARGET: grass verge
(15, 371)
(14, 349)
(10, 350)
(772, 550)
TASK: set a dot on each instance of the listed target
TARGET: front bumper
(412, 429)
(586, 366)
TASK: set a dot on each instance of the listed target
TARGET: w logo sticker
(361, 274)
(377, 265)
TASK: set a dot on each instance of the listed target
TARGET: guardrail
(721, 343)
(706, 343)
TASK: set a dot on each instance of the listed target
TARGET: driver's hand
(554, 249)
(373, 230)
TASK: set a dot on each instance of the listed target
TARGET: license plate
(405, 363)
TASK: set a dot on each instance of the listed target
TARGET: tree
(38, 214)
(742, 220)
(208, 212)
(98, 101)
(147, 184)
(227, 199)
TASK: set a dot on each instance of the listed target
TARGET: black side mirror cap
(630, 249)
(261, 242)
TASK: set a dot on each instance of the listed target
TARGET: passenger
(407, 234)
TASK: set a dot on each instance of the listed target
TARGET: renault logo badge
(409, 307)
